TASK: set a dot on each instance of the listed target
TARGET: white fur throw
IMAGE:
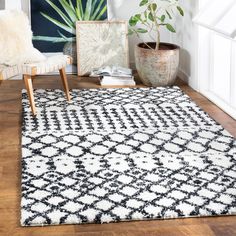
(16, 39)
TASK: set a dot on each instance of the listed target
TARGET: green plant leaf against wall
(80, 8)
(162, 19)
(152, 7)
(170, 28)
(169, 15)
(101, 13)
(70, 11)
(59, 24)
(88, 9)
(134, 20)
(60, 13)
(98, 13)
(141, 30)
(153, 16)
(71, 4)
(181, 11)
(67, 39)
(53, 39)
(143, 2)
(150, 17)
(94, 2)
(78, 14)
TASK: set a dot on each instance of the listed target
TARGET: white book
(115, 78)
(111, 71)
(118, 83)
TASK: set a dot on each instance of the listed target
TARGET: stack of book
(114, 76)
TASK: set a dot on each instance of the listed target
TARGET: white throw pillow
(16, 45)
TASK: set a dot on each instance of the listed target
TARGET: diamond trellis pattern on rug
(123, 154)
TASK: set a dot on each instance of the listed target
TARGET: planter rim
(176, 47)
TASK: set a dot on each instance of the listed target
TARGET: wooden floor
(10, 156)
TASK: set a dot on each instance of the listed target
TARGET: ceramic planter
(157, 68)
(71, 50)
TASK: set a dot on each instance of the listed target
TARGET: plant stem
(157, 28)
(143, 41)
(158, 40)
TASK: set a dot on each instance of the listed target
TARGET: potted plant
(69, 12)
(156, 62)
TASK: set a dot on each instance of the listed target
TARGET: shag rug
(123, 154)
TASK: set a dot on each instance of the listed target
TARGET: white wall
(12, 4)
(187, 38)
(217, 60)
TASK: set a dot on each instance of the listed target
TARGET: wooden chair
(52, 64)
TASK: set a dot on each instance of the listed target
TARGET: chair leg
(65, 84)
(1, 78)
(29, 87)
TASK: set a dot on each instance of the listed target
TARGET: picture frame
(94, 47)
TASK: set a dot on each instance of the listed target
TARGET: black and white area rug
(123, 154)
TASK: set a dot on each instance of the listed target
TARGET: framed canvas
(101, 43)
(53, 23)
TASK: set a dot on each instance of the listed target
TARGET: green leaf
(181, 12)
(53, 39)
(88, 9)
(138, 16)
(150, 16)
(101, 13)
(60, 13)
(170, 28)
(93, 6)
(143, 2)
(100, 10)
(133, 21)
(163, 17)
(71, 5)
(169, 15)
(141, 30)
(80, 9)
(63, 36)
(78, 13)
(70, 11)
(152, 7)
(59, 24)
